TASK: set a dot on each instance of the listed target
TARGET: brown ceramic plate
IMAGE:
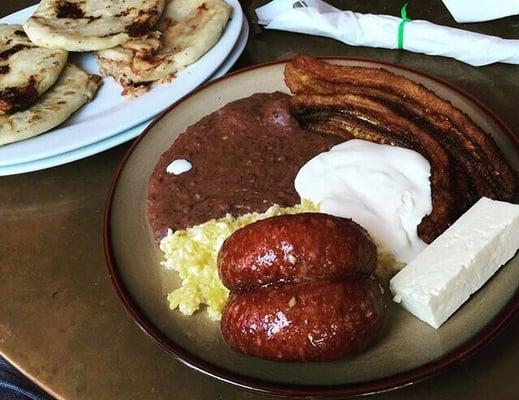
(410, 349)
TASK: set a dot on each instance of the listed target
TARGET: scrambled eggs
(192, 253)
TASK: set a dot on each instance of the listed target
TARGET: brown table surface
(61, 322)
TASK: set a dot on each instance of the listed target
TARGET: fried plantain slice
(466, 143)
(376, 105)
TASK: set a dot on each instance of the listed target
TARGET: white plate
(109, 113)
(115, 140)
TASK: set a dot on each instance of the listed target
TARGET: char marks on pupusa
(86, 25)
(26, 70)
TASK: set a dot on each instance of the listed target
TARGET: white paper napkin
(315, 17)
(481, 10)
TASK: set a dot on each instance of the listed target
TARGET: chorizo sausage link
(314, 321)
(296, 248)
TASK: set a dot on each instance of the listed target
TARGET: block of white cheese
(444, 275)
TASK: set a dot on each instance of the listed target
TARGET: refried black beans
(245, 157)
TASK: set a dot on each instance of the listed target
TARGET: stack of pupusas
(139, 43)
(38, 88)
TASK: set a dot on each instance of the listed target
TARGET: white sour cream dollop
(178, 167)
(383, 188)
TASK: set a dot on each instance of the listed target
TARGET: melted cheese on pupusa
(385, 189)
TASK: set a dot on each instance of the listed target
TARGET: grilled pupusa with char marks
(73, 89)
(185, 32)
(376, 105)
(86, 25)
(26, 70)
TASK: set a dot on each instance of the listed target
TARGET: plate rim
(392, 382)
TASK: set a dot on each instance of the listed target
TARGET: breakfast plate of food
(98, 69)
(319, 227)
(37, 164)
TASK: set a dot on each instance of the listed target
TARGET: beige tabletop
(61, 322)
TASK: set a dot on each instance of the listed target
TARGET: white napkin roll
(315, 17)
(481, 10)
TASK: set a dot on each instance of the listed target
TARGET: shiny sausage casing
(296, 248)
(314, 321)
